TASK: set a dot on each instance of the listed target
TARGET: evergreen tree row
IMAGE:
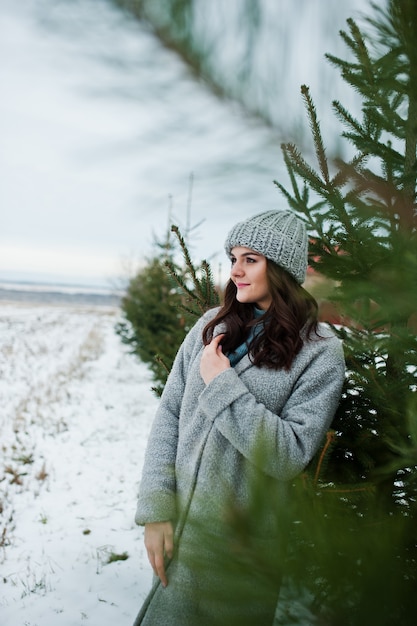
(161, 303)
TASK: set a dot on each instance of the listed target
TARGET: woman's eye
(249, 260)
(232, 261)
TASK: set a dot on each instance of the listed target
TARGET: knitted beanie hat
(279, 235)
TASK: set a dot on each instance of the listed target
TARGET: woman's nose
(237, 269)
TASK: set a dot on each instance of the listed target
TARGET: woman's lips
(240, 285)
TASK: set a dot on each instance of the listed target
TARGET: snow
(76, 410)
(76, 413)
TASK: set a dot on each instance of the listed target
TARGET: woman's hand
(213, 361)
(159, 543)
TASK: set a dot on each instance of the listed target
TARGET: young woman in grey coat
(252, 392)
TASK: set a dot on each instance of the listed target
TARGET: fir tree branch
(347, 118)
(410, 161)
(291, 174)
(317, 138)
(188, 261)
(301, 166)
(361, 52)
(330, 437)
(342, 175)
(161, 361)
(178, 279)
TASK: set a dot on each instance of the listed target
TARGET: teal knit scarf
(235, 356)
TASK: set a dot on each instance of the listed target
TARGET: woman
(251, 394)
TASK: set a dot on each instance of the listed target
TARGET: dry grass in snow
(76, 410)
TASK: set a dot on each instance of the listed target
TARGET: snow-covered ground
(76, 409)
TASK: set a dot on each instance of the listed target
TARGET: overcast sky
(101, 130)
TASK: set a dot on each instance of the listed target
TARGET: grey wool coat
(207, 446)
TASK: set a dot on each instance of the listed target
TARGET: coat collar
(244, 364)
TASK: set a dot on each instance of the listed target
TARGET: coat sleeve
(281, 445)
(157, 500)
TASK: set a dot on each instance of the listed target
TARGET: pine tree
(364, 236)
(153, 324)
(196, 283)
(355, 542)
(161, 303)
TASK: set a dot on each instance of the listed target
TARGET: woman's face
(248, 272)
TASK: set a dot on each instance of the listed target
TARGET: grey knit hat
(278, 235)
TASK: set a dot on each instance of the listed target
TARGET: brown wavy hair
(291, 311)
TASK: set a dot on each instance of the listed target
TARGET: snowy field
(76, 410)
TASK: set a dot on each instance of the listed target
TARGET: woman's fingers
(169, 543)
(159, 543)
(213, 361)
(158, 566)
(215, 342)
